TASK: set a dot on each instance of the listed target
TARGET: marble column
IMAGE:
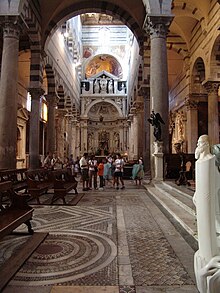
(131, 136)
(52, 101)
(135, 135)
(74, 141)
(8, 101)
(34, 160)
(60, 133)
(192, 124)
(157, 26)
(213, 120)
(77, 138)
(84, 135)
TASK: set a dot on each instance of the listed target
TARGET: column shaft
(158, 26)
(51, 123)
(8, 101)
(34, 128)
(60, 133)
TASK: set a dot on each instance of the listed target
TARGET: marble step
(181, 198)
(178, 207)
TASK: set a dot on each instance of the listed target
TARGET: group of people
(54, 162)
(108, 170)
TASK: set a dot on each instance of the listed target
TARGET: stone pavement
(113, 241)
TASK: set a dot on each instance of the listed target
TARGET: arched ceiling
(55, 12)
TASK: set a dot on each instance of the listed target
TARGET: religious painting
(87, 52)
(103, 62)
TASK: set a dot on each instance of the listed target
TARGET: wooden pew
(63, 182)
(16, 212)
(38, 182)
(16, 176)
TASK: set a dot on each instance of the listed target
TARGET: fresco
(103, 62)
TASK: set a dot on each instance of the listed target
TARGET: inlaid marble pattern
(81, 248)
(110, 241)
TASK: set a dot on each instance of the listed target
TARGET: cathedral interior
(85, 77)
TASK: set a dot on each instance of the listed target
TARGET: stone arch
(182, 8)
(98, 101)
(31, 18)
(198, 75)
(215, 59)
(104, 7)
(50, 79)
(61, 95)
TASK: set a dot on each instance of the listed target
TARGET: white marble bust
(203, 148)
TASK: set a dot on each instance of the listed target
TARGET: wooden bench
(63, 182)
(16, 176)
(38, 182)
(16, 212)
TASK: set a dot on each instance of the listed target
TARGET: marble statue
(215, 150)
(207, 258)
(110, 87)
(96, 87)
(103, 85)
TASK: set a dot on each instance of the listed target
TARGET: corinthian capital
(157, 25)
(211, 86)
(191, 104)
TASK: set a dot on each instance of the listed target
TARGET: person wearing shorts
(118, 174)
(84, 171)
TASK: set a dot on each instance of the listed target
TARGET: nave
(112, 241)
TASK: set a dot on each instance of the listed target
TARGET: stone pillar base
(158, 161)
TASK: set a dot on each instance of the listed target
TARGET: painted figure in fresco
(156, 120)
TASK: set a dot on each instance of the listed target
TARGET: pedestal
(158, 160)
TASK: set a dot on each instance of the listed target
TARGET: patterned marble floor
(113, 241)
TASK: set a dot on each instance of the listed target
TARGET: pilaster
(192, 123)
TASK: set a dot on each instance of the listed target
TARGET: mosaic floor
(113, 241)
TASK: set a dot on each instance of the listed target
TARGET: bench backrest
(14, 175)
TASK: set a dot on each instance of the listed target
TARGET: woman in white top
(118, 174)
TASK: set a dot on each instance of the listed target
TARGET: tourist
(84, 171)
(56, 162)
(47, 161)
(93, 169)
(100, 174)
(138, 172)
(107, 172)
(119, 164)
